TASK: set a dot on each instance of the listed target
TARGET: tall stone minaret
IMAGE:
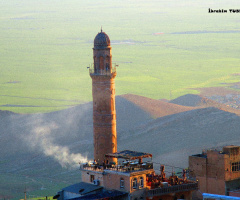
(103, 92)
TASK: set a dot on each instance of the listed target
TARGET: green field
(46, 47)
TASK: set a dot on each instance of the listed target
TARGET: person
(184, 175)
(162, 168)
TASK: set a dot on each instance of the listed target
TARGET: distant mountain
(157, 108)
(188, 100)
(171, 139)
(201, 102)
(41, 151)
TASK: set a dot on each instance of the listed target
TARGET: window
(182, 197)
(141, 182)
(91, 178)
(235, 166)
(101, 63)
(107, 67)
(134, 184)
(121, 183)
(95, 64)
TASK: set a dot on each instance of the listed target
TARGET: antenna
(101, 28)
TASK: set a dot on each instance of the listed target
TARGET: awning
(129, 155)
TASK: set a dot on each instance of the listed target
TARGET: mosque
(119, 175)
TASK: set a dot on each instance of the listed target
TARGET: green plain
(46, 47)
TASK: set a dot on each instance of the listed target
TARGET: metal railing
(120, 168)
(172, 189)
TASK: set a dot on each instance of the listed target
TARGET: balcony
(172, 189)
(102, 72)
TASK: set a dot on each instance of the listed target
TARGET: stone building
(217, 172)
(135, 177)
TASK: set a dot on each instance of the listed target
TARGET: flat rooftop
(200, 155)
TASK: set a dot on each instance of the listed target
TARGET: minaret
(103, 92)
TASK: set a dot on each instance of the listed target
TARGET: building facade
(217, 172)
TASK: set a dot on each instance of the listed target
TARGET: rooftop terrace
(126, 166)
(132, 161)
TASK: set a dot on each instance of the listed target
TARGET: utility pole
(25, 194)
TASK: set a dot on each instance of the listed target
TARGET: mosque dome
(101, 40)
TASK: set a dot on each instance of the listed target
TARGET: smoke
(42, 139)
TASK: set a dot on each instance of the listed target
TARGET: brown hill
(201, 101)
(156, 108)
(211, 103)
(171, 139)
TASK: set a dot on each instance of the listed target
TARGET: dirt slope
(156, 108)
(201, 101)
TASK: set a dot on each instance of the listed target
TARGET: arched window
(121, 183)
(95, 63)
(107, 63)
(134, 183)
(141, 182)
(101, 63)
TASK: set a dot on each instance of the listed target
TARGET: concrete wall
(197, 167)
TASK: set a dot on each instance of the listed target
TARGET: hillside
(173, 138)
(41, 151)
(33, 146)
(202, 101)
(157, 108)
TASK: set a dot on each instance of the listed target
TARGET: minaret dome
(101, 41)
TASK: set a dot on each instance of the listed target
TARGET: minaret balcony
(102, 72)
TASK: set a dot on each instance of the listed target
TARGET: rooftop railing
(127, 168)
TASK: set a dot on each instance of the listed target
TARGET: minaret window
(95, 63)
(107, 63)
(101, 63)
(107, 67)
